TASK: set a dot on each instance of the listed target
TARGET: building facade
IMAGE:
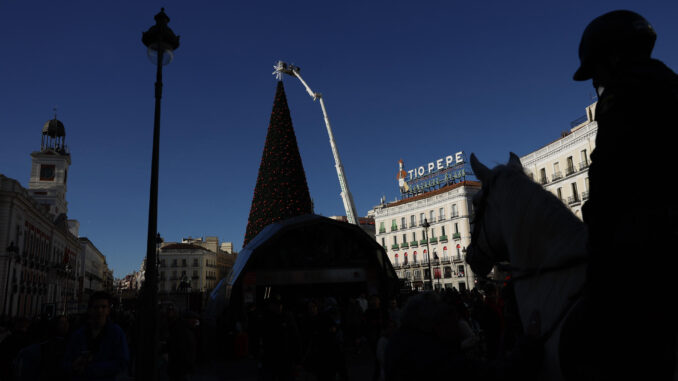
(40, 256)
(94, 272)
(195, 264)
(42, 267)
(561, 167)
(411, 247)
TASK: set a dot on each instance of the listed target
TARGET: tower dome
(54, 136)
(54, 129)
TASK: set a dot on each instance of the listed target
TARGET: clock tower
(49, 169)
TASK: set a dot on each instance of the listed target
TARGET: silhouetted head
(615, 36)
(99, 307)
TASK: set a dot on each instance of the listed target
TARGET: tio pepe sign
(437, 173)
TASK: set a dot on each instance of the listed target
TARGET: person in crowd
(182, 347)
(281, 343)
(98, 350)
(429, 323)
(42, 361)
(393, 312)
(18, 339)
(637, 111)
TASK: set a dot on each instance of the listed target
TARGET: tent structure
(307, 256)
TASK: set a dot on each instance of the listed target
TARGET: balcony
(382, 231)
(443, 238)
(404, 245)
(573, 200)
(584, 196)
(433, 240)
(557, 176)
(445, 260)
(423, 242)
(543, 180)
(583, 165)
(394, 246)
(414, 244)
(570, 170)
(456, 236)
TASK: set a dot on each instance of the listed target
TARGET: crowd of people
(407, 336)
(414, 336)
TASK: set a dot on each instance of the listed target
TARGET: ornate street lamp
(161, 43)
(426, 225)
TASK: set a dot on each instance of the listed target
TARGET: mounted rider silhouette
(626, 326)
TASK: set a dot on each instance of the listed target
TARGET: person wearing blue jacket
(98, 350)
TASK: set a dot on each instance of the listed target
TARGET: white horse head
(519, 222)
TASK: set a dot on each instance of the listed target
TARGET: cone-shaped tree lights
(281, 191)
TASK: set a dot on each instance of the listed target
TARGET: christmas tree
(281, 191)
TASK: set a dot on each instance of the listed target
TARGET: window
(421, 218)
(441, 214)
(556, 171)
(183, 262)
(414, 236)
(583, 159)
(195, 262)
(383, 241)
(394, 226)
(433, 232)
(456, 227)
(402, 223)
(174, 262)
(455, 213)
(395, 239)
(570, 165)
(431, 216)
(447, 272)
(382, 229)
(404, 238)
(460, 271)
(542, 176)
(47, 172)
(443, 230)
(412, 221)
(575, 194)
(559, 193)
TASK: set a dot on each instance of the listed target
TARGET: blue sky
(401, 80)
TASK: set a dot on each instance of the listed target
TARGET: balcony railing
(394, 246)
(433, 240)
(585, 195)
(583, 165)
(569, 170)
(456, 236)
(543, 180)
(443, 238)
(414, 244)
(445, 260)
(557, 176)
(422, 242)
(572, 200)
(404, 245)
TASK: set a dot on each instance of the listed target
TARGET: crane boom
(346, 196)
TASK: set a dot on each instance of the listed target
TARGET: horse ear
(514, 161)
(479, 169)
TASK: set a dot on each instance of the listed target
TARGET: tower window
(47, 172)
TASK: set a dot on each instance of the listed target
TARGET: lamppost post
(161, 41)
(426, 225)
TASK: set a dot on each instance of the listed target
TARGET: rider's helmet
(621, 33)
